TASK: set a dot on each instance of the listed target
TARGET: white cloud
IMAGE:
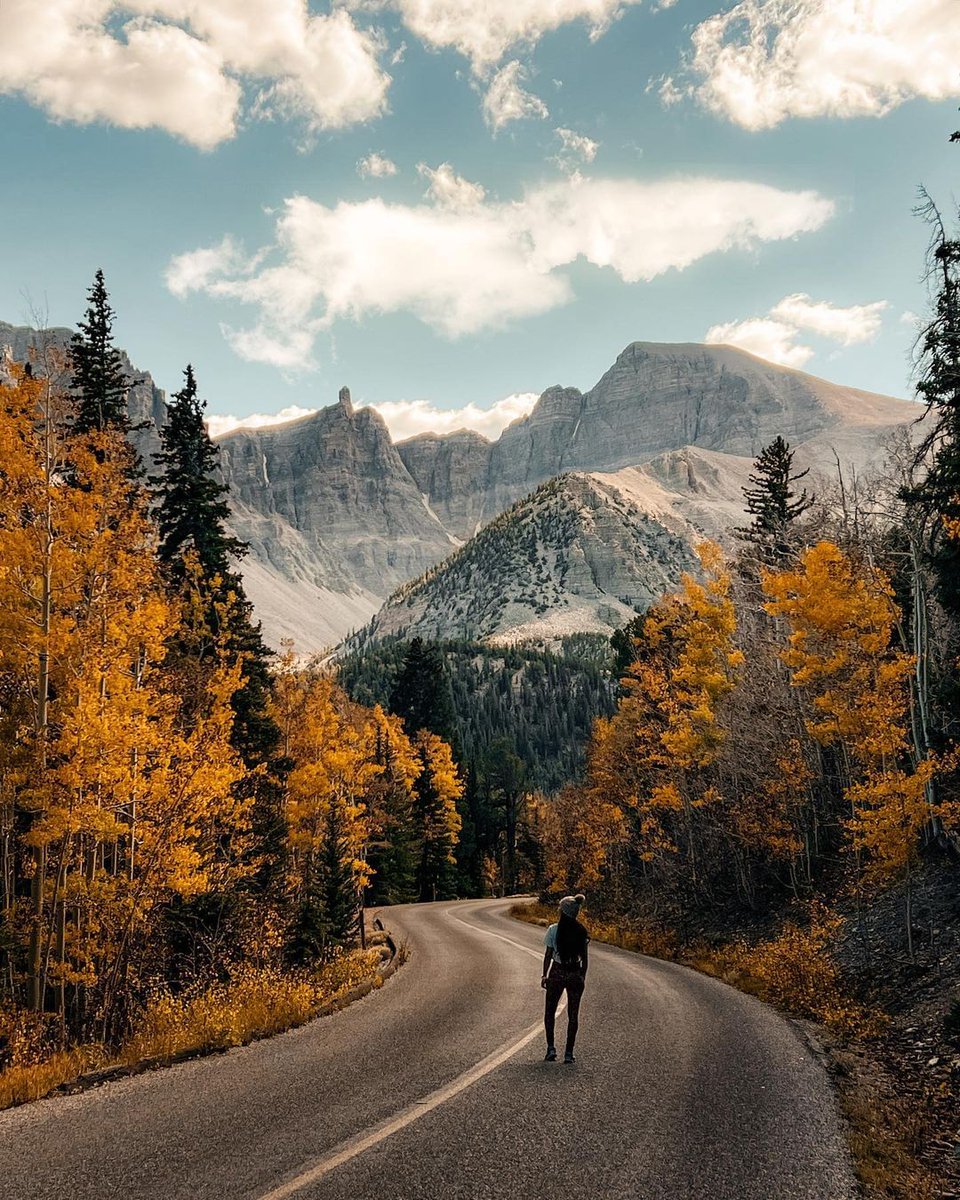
(485, 30)
(506, 100)
(376, 166)
(218, 426)
(579, 144)
(404, 418)
(857, 323)
(462, 268)
(575, 148)
(183, 65)
(762, 61)
(768, 339)
(407, 418)
(450, 189)
(775, 336)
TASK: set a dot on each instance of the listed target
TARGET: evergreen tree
(192, 508)
(421, 694)
(773, 503)
(937, 497)
(100, 383)
(507, 784)
(192, 512)
(436, 817)
(199, 557)
(623, 644)
(329, 912)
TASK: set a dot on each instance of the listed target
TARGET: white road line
(362, 1142)
(498, 936)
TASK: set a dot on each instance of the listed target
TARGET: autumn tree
(580, 833)
(653, 758)
(842, 652)
(124, 803)
(328, 741)
(392, 849)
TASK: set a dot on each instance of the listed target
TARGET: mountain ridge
(338, 516)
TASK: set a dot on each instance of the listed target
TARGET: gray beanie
(570, 905)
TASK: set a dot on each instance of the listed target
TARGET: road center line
(362, 1142)
(498, 936)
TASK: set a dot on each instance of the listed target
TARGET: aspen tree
(841, 652)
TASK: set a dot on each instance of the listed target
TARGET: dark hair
(571, 940)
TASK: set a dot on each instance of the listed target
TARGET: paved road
(426, 1090)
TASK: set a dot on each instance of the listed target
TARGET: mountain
(333, 519)
(338, 517)
(145, 401)
(343, 518)
(656, 397)
(582, 554)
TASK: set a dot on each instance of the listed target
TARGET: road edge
(105, 1075)
(869, 1125)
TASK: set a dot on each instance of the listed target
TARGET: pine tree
(773, 503)
(937, 497)
(421, 695)
(436, 818)
(192, 512)
(192, 508)
(100, 383)
(329, 912)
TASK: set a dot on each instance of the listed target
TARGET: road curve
(433, 1087)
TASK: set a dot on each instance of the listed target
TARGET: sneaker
(551, 1055)
(568, 1057)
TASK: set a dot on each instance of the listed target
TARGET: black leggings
(559, 980)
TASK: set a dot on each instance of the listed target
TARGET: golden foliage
(841, 652)
(578, 831)
(797, 971)
(650, 758)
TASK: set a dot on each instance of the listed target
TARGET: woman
(564, 967)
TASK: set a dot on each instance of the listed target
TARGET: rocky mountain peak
(345, 402)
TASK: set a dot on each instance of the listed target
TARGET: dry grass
(636, 937)
(253, 1004)
(23, 1083)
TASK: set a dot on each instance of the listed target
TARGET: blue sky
(744, 171)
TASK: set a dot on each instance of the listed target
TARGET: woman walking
(564, 969)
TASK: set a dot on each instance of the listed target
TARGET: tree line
(175, 801)
(787, 723)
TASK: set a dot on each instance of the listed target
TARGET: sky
(449, 206)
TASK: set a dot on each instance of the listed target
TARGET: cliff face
(145, 401)
(655, 398)
(583, 554)
(451, 471)
(338, 518)
(326, 501)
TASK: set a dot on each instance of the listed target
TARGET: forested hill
(540, 704)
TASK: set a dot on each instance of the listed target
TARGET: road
(434, 1088)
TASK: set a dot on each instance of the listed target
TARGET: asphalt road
(434, 1088)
